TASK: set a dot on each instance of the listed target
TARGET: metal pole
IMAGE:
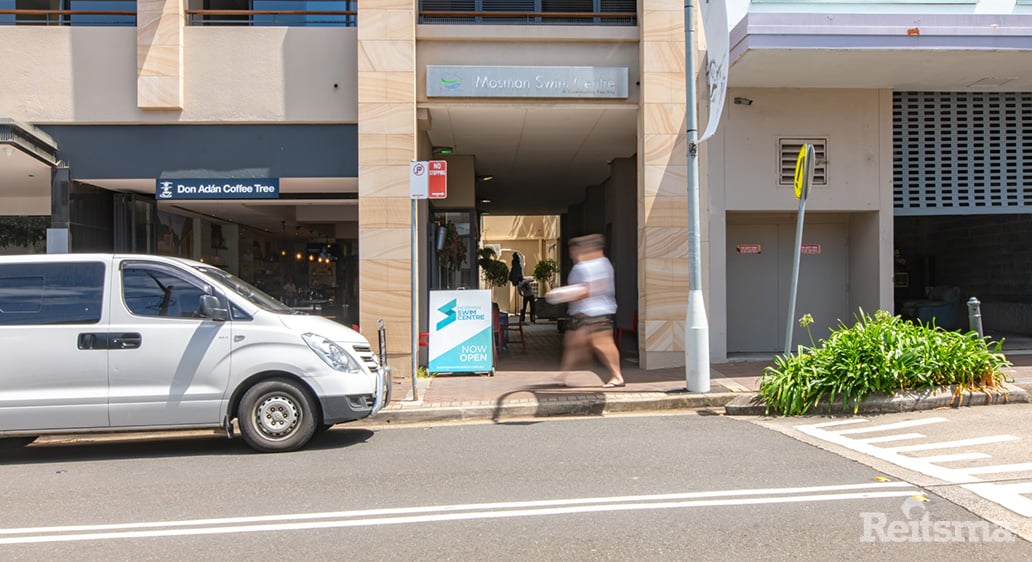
(795, 275)
(413, 267)
(696, 333)
(975, 316)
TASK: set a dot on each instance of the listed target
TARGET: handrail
(585, 15)
(272, 12)
(23, 12)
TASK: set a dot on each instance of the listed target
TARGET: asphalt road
(659, 487)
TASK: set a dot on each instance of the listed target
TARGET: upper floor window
(529, 12)
(273, 12)
(68, 12)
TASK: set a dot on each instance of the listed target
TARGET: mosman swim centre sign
(526, 81)
(249, 188)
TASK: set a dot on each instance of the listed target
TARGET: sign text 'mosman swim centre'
(526, 81)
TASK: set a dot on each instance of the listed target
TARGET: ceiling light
(485, 201)
(486, 178)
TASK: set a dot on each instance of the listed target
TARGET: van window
(51, 293)
(154, 291)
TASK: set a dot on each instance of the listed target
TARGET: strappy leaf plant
(880, 353)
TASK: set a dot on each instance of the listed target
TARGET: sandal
(612, 384)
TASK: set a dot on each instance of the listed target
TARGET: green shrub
(883, 353)
(545, 269)
(495, 272)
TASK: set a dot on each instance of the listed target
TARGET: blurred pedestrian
(592, 304)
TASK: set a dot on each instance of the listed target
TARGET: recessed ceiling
(541, 156)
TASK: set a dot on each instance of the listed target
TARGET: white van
(101, 342)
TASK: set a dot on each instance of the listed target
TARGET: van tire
(276, 416)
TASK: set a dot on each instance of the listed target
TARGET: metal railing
(527, 18)
(314, 18)
(122, 18)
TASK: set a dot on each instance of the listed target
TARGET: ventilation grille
(788, 154)
(961, 153)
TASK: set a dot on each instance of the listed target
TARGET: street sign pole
(803, 173)
(417, 190)
(696, 330)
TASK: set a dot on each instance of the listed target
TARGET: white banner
(718, 39)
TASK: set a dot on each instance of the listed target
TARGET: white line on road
(1007, 496)
(901, 489)
(890, 438)
(891, 426)
(954, 444)
(1000, 468)
(955, 457)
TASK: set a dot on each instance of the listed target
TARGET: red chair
(618, 333)
(517, 327)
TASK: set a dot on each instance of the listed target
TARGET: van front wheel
(276, 416)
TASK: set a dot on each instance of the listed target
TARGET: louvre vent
(961, 153)
(788, 153)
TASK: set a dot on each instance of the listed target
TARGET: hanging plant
(452, 254)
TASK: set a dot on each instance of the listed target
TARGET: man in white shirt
(592, 309)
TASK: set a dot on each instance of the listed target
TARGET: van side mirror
(210, 309)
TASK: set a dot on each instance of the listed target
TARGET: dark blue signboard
(237, 188)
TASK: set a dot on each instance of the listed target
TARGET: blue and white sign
(238, 188)
(460, 332)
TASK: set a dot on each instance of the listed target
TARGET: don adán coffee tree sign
(237, 188)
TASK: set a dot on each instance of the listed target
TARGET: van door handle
(92, 341)
(125, 341)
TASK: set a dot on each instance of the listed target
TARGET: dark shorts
(593, 323)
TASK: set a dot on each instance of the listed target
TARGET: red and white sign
(438, 181)
(428, 179)
(810, 249)
(749, 248)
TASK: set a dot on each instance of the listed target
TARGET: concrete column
(662, 186)
(386, 144)
(159, 53)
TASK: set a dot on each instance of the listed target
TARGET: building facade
(573, 109)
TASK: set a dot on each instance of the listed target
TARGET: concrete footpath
(527, 383)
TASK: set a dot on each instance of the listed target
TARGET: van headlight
(333, 354)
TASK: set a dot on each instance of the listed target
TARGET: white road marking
(1019, 467)
(431, 514)
(889, 438)
(1008, 496)
(955, 457)
(891, 426)
(955, 444)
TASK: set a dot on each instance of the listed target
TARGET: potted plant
(495, 272)
(544, 272)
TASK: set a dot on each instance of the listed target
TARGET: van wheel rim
(277, 416)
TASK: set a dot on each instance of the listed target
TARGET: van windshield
(253, 294)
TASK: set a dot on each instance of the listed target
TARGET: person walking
(592, 304)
